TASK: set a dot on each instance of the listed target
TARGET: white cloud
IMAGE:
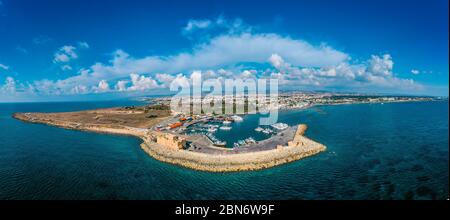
(376, 72)
(121, 85)
(248, 74)
(65, 54)
(42, 39)
(142, 83)
(197, 24)
(80, 89)
(381, 66)
(9, 87)
(237, 53)
(415, 72)
(103, 86)
(165, 79)
(277, 61)
(220, 24)
(4, 67)
(223, 51)
(180, 81)
(83, 45)
(21, 49)
(66, 67)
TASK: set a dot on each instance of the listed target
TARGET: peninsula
(164, 138)
(189, 140)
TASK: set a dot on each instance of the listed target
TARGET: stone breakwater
(234, 162)
(300, 147)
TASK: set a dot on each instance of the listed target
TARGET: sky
(92, 50)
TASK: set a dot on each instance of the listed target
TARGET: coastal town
(295, 100)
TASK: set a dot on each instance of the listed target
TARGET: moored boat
(226, 128)
(237, 118)
(259, 129)
(280, 126)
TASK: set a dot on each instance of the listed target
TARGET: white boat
(250, 140)
(226, 128)
(280, 126)
(220, 143)
(226, 122)
(267, 131)
(212, 130)
(259, 129)
(237, 118)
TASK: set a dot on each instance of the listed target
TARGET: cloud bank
(237, 52)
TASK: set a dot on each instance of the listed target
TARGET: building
(170, 141)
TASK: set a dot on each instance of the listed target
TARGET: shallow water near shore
(374, 151)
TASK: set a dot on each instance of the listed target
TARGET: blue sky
(67, 50)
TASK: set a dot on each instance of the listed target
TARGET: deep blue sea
(375, 151)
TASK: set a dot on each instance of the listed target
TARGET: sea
(374, 151)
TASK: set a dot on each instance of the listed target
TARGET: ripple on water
(393, 151)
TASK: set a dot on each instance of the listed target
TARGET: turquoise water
(390, 151)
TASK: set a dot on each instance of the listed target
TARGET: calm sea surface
(375, 151)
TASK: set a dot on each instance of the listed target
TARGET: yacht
(237, 118)
(259, 129)
(267, 131)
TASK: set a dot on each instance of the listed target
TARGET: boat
(220, 143)
(259, 129)
(226, 128)
(250, 140)
(212, 130)
(226, 122)
(280, 126)
(237, 118)
(241, 142)
(267, 131)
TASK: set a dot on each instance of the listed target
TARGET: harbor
(221, 130)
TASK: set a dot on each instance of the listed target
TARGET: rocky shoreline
(300, 148)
